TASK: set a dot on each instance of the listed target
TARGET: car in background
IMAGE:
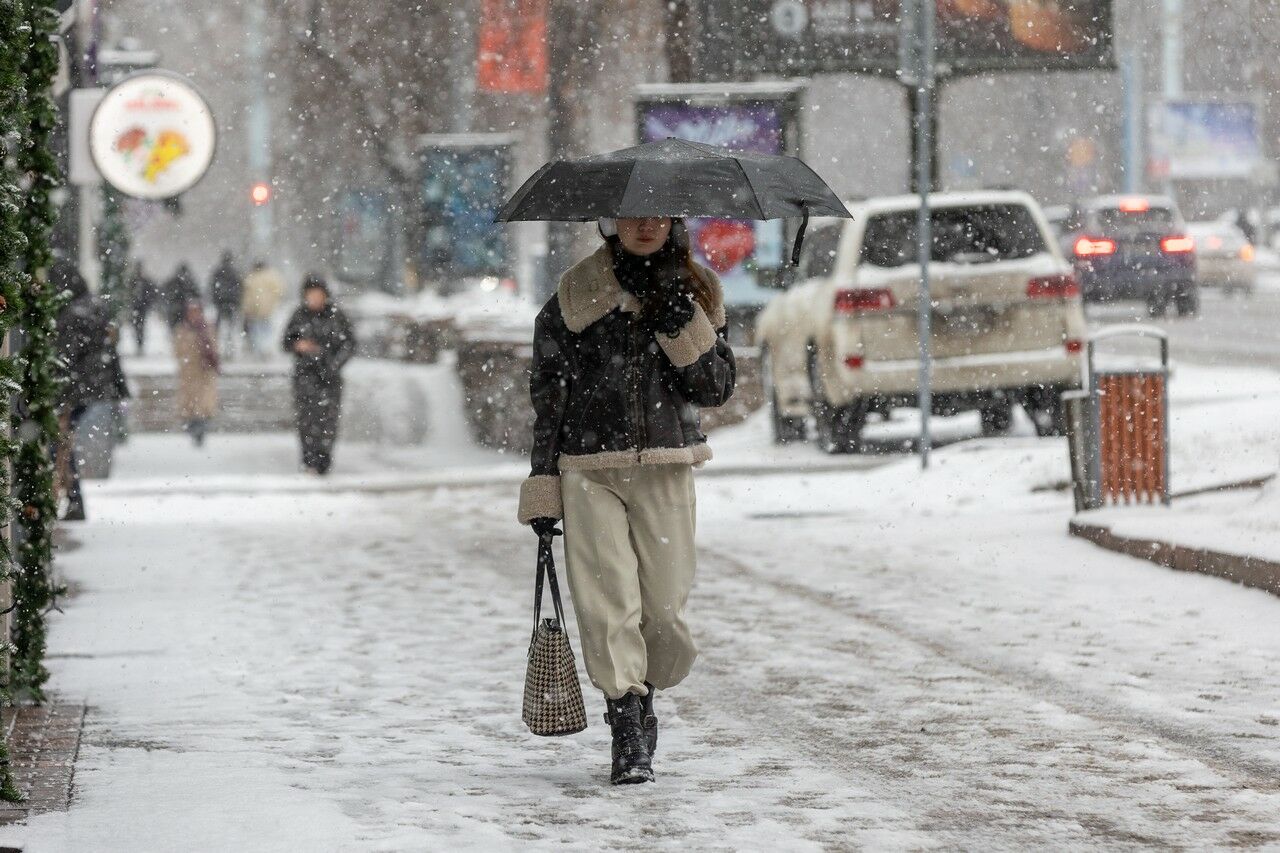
(843, 343)
(1134, 247)
(1225, 259)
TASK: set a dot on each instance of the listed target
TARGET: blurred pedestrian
(320, 338)
(197, 355)
(263, 290)
(143, 296)
(91, 373)
(226, 289)
(180, 289)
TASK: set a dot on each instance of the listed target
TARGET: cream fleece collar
(590, 290)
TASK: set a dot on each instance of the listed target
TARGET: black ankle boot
(650, 721)
(631, 759)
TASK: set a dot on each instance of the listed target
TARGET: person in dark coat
(632, 345)
(179, 290)
(226, 289)
(143, 296)
(320, 338)
(86, 340)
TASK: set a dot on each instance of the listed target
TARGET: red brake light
(1177, 245)
(1087, 247)
(1075, 346)
(853, 362)
(1053, 287)
(1134, 205)
(863, 300)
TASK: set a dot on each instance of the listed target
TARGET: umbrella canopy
(673, 177)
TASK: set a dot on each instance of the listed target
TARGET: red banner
(513, 47)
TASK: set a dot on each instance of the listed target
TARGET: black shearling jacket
(609, 393)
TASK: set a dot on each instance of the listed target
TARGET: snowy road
(1229, 331)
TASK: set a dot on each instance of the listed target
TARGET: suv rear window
(1115, 219)
(972, 235)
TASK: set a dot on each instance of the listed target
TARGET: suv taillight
(1088, 247)
(864, 300)
(1178, 245)
(1053, 287)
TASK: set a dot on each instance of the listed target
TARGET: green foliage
(113, 252)
(28, 172)
(36, 428)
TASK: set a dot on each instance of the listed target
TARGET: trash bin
(1118, 428)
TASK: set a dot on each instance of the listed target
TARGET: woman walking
(197, 355)
(319, 336)
(631, 345)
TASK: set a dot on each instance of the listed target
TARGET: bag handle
(547, 568)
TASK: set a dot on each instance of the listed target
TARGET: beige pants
(629, 546)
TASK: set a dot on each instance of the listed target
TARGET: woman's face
(644, 236)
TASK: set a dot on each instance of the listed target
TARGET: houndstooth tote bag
(552, 696)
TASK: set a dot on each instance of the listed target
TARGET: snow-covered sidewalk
(890, 659)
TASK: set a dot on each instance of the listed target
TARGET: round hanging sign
(152, 136)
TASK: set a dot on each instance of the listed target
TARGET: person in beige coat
(263, 290)
(197, 355)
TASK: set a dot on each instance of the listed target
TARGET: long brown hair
(703, 290)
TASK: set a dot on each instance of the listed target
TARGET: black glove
(669, 311)
(545, 527)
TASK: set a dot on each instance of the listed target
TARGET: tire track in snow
(1120, 740)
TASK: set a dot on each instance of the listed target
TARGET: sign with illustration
(747, 255)
(152, 136)
(744, 38)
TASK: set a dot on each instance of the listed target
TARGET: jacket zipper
(637, 407)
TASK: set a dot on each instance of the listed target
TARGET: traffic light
(261, 193)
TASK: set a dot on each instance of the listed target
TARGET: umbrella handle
(795, 250)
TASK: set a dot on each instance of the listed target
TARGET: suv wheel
(837, 428)
(997, 417)
(785, 429)
(1047, 412)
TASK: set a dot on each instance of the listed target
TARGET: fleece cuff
(540, 498)
(696, 338)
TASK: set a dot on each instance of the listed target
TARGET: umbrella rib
(626, 190)
(747, 178)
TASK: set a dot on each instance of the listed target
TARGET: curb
(1247, 571)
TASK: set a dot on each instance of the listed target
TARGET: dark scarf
(645, 275)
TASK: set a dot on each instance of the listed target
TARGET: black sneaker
(632, 763)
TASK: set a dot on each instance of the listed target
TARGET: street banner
(152, 136)
(1204, 139)
(743, 38)
(749, 256)
(364, 240)
(513, 47)
(465, 180)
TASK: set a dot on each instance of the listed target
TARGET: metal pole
(258, 126)
(1171, 33)
(1132, 77)
(924, 166)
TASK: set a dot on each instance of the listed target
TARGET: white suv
(1008, 326)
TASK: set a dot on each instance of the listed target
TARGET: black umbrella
(674, 177)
